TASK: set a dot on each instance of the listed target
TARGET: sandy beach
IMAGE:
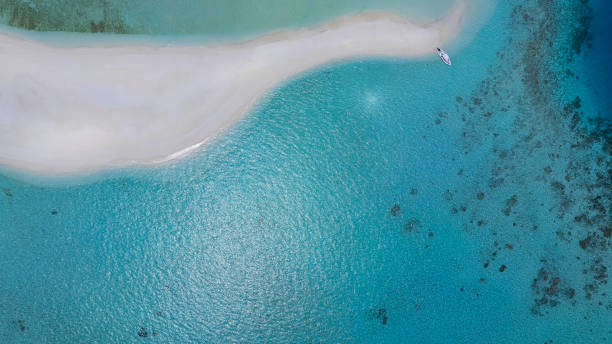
(81, 109)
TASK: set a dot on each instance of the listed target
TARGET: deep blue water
(598, 70)
(369, 201)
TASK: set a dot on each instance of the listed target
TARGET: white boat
(444, 56)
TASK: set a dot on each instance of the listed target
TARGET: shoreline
(71, 110)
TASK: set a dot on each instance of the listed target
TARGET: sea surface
(215, 18)
(366, 201)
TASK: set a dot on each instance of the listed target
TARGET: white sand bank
(78, 109)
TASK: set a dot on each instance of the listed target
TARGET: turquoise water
(369, 201)
(208, 17)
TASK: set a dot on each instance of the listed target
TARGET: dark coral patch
(395, 210)
(143, 333)
(510, 202)
(20, 325)
(548, 291)
(380, 314)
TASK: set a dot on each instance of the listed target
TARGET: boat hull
(444, 57)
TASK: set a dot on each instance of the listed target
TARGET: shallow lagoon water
(209, 17)
(375, 201)
(201, 21)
